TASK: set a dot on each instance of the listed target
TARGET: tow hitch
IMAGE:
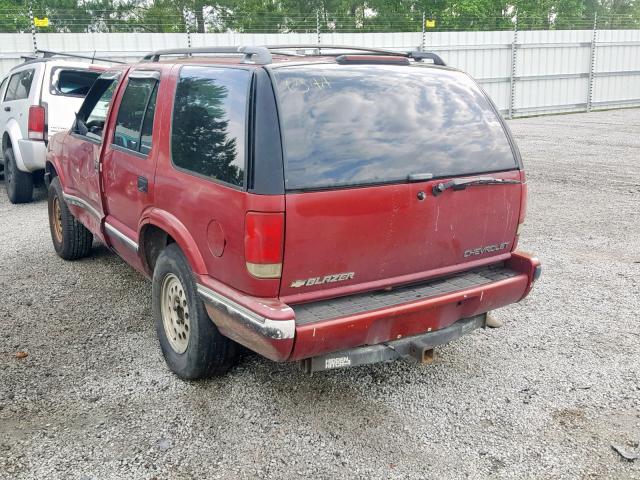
(421, 353)
(419, 348)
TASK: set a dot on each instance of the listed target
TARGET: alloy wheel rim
(57, 220)
(175, 313)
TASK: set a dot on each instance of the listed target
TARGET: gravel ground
(544, 397)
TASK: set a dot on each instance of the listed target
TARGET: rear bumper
(419, 347)
(33, 154)
(282, 333)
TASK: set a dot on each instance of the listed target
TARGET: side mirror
(79, 126)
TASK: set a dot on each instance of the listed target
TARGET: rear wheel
(190, 342)
(71, 239)
(19, 184)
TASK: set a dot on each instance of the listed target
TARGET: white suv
(38, 98)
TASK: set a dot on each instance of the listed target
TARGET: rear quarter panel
(209, 214)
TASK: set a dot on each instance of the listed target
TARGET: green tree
(300, 16)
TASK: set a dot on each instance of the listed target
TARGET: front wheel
(19, 184)
(190, 342)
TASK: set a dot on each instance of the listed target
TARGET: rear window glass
(366, 124)
(75, 83)
(209, 122)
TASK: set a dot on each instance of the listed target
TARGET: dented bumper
(286, 333)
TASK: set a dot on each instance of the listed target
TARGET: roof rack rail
(261, 55)
(369, 59)
(257, 55)
(416, 55)
(419, 55)
(51, 54)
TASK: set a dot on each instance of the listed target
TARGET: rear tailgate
(356, 140)
(385, 234)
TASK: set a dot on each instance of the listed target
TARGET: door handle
(143, 184)
(7, 109)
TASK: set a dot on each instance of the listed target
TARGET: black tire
(38, 178)
(70, 238)
(19, 184)
(208, 353)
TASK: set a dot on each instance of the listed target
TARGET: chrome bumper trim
(121, 236)
(275, 329)
(79, 202)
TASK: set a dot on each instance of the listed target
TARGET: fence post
(592, 62)
(512, 78)
(188, 32)
(423, 46)
(318, 26)
(33, 29)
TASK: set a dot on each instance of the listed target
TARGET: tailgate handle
(143, 184)
(7, 109)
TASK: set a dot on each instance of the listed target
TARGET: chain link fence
(174, 18)
(528, 66)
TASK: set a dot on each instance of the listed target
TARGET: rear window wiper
(462, 183)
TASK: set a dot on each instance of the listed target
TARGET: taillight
(523, 203)
(263, 243)
(36, 122)
(523, 208)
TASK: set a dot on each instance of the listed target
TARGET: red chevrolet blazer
(335, 206)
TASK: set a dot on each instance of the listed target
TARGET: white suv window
(72, 82)
(2, 85)
(19, 85)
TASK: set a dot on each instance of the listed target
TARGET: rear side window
(136, 114)
(19, 85)
(72, 83)
(366, 124)
(209, 122)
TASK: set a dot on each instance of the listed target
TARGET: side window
(19, 85)
(2, 85)
(95, 107)
(209, 122)
(135, 116)
(72, 83)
